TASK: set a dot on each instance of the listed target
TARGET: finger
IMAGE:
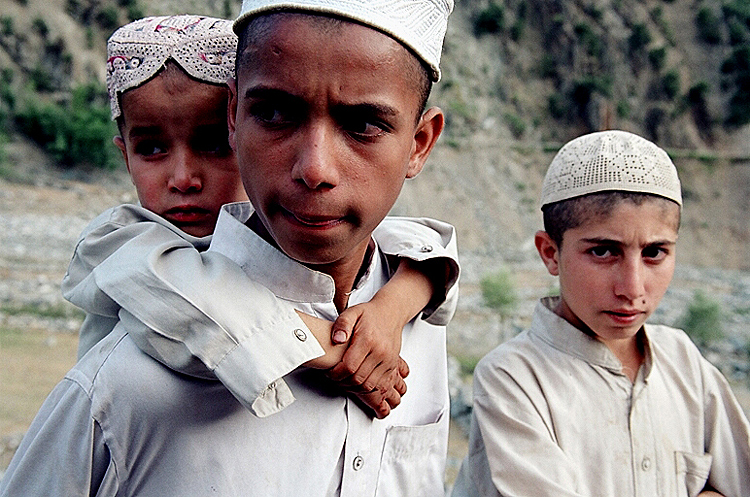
(343, 327)
(393, 398)
(376, 401)
(400, 385)
(403, 368)
(362, 377)
(351, 362)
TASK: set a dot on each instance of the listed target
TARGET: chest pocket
(412, 461)
(692, 472)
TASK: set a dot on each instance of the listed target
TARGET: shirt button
(301, 335)
(426, 248)
(358, 463)
(646, 464)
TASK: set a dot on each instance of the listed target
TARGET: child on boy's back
(591, 401)
(166, 79)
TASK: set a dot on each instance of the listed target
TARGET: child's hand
(382, 403)
(373, 351)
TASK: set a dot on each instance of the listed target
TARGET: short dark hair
(562, 216)
(259, 26)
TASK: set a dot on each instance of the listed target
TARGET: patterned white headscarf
(418, 24)
(204, 47)
(610, 161)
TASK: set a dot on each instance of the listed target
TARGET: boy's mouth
(624, 316)
(315, 222)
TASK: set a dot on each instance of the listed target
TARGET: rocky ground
(41, 217)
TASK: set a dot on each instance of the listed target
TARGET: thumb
(342, 328)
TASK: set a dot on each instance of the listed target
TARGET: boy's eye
(148, 148)
(361, 124)
(655, 253)
(601, 251)
(272, 114)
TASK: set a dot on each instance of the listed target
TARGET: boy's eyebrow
(264, 92)
(610, 241)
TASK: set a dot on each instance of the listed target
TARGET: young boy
(167, 82)
(591, 401)
(327, 120)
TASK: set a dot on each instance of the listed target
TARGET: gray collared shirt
(121, 423)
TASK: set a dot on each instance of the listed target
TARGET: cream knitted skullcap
(204, 47)
(610, 161)
(418, 24)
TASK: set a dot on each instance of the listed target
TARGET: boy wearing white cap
(590, 400)
(327, 121)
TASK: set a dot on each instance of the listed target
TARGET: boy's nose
(186, 175)
(315, 165)
(630, 281)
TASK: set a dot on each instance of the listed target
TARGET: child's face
(615, 269)
(174, 140)
(324, 126)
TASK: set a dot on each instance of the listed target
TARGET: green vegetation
(709, 26)
(515, 124)
(737, 68)
(658, 57)
(42, 310)
(702, 320)
(498, 292)
(671, 84)
(490, 20)
(639, 38)
(78, 132)
(588, 39)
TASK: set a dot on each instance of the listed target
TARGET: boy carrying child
(167, 80)
(590, 400)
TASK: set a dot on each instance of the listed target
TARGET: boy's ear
(548, 251)
(425, 136)
(120, 143)
(232, 113)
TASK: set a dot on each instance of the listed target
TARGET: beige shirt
(555, 416)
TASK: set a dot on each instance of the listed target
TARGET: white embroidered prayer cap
(204, 47)
(418, 24)
(610, 161)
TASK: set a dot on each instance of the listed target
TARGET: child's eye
(149, 148)
(213, 142)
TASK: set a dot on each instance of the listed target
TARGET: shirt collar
(269, 266)
(563, 336)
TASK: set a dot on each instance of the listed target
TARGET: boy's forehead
(420, 25)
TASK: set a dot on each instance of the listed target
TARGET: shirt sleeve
(199, 314)
(727, 436)
(422, 239)
(512, 450)
(62, 453)
(100, 240)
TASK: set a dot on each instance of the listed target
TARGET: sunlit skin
(325, 127)
(614, 271)
(174, 141)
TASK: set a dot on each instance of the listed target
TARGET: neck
(630, 353)
(345, 272)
